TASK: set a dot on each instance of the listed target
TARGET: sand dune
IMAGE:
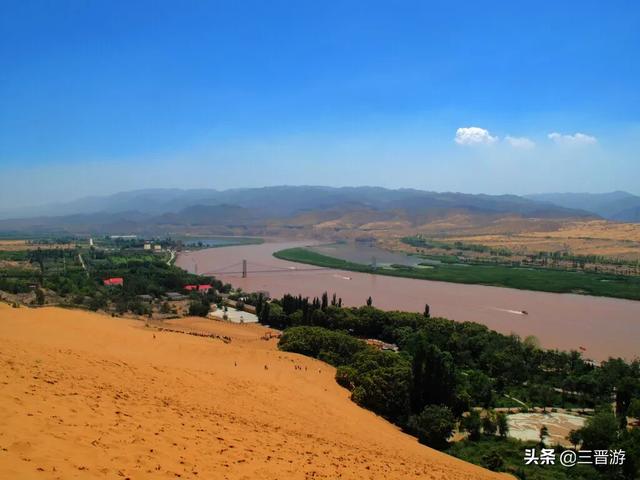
(89, 396)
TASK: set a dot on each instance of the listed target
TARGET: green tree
(630, 444)
(489, 426)
(97, 302)
(544, 433)
(545, 396)
(334, 347)
(259, 304)
(199, 308)
(502, 424)
(472, 424)
(626, 389)
(532, 342)
(634, 408)
(480, 389)
(434, 376)
(265, 313)
(575, 437)
(433, 426)
(325, 301)
(382, 382)
(493, 461)
(600, 431)
(139, 308)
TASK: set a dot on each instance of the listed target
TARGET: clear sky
(492, 96)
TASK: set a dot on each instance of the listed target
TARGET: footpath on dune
(84, 395)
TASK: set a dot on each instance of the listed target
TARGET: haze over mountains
(619, 206)
(160, 208)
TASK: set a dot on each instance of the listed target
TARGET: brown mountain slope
(88, 396)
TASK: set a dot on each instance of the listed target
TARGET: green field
(541, 279)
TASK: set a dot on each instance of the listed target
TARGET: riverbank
(597, 326)
(522, 278)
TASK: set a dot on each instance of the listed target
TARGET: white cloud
(474, 136)
(520, 142)
(576, 139)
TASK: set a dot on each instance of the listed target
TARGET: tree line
(445, 371)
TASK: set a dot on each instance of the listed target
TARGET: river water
(602, 326)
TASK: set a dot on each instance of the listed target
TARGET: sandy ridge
(88, 396)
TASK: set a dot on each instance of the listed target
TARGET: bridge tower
(244, 269)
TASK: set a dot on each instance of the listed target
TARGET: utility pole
(244, 269)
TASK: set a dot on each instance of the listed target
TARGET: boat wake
(341, 277)
(515, 312)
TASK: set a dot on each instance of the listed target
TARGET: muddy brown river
(601, 326)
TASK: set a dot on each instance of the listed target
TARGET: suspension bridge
(244, 268)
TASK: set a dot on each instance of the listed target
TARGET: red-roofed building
(114, 281)
(198, 288)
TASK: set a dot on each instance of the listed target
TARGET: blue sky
(494, 96)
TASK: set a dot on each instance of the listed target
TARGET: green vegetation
(504, 255)
(335, 348)
(506, 455)
(433, 426)
(600, 433)
(199, 307)
(444, 371)
(147, 277)
(14, 255)
(524, 278)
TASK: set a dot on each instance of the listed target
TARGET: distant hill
(149, 201)
(619, 206)
(283, 201)
(155, 210)
(198, 215)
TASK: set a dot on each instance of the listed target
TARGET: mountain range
(155, 209)
(618, 206)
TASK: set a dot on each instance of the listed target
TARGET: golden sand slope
(88, 396)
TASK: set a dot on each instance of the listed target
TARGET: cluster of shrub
(17, 279)
(444, 370)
